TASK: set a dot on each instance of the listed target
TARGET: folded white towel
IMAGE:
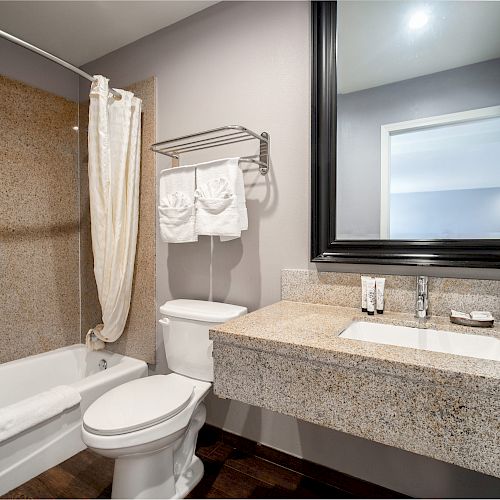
(216, 208)
(176, 210)
(31, 411)
(230, 170)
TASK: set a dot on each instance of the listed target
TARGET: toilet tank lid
(202, 310)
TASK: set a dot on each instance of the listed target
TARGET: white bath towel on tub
(29, 412)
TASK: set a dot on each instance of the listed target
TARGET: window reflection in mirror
(418, 120)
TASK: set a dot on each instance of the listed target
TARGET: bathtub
(37, 449)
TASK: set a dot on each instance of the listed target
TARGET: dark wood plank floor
(234, 468)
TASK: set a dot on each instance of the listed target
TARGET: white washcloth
(176, 210)
(216, 208)
(29, 412)
(229, 169)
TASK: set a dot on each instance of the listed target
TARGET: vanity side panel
(437, 421)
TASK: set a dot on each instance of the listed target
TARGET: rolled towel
(32, 411)
(216, 208)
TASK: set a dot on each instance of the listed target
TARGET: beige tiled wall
(39, 284)
(138, 339)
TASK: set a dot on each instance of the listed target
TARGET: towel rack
(221, 136)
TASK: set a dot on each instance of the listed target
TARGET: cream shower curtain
(114, 137)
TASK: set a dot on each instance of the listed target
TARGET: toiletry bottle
(379, 290)
(370, 296)
(363, 293)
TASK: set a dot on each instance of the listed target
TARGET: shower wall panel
(39, 224)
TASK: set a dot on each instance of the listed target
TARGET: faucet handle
(422, 305)
(422, 284)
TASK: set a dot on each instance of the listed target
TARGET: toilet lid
(138, 404)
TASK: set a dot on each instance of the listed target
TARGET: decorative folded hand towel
(229, 170)
(216, 208)
(29, 412)
(176, 210)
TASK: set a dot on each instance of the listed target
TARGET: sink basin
(461, 344)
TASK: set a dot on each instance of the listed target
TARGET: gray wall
(248, 63)
(235, 63)
(21, 64)
(360, 115)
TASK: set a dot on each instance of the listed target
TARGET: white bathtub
(37, 449)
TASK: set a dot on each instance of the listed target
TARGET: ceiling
(376, 45)
(80, 32)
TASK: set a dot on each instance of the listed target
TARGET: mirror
(406, 131)
(418, 120)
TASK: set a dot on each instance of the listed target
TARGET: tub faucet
(422, 309)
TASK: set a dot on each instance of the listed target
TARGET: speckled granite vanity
(289, 358)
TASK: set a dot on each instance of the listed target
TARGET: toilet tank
(185, 325)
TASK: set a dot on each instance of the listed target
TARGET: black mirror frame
(324, 246)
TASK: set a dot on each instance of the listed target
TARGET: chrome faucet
(422, 309)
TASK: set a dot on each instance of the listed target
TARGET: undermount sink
(461, 344)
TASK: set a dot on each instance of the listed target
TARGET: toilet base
(189, 479)
(170, 472)
(140, 478)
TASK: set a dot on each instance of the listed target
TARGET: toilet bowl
(150, 425)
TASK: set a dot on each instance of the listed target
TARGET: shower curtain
(114, 166)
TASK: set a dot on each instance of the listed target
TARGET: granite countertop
(311, 331)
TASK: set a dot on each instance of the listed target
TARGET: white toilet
(150, 425)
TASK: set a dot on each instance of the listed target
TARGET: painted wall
(39, 284)
(21, 64)
(248, 63)
(235, 63)
(360, 115)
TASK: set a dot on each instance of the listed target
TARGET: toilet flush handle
(165, 322)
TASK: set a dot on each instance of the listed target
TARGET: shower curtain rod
(53, 58)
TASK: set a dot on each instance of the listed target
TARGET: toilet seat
(154, 433)
(138, 404)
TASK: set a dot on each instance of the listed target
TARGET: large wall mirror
(406, 132)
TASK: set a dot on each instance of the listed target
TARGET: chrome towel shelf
(221, 136)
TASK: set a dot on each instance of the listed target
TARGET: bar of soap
(473, 316)
(458, 314)
(481, 316)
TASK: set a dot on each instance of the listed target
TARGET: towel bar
(229, 134)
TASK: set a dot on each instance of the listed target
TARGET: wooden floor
(234, 468)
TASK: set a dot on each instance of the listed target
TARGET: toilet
(150, 425)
